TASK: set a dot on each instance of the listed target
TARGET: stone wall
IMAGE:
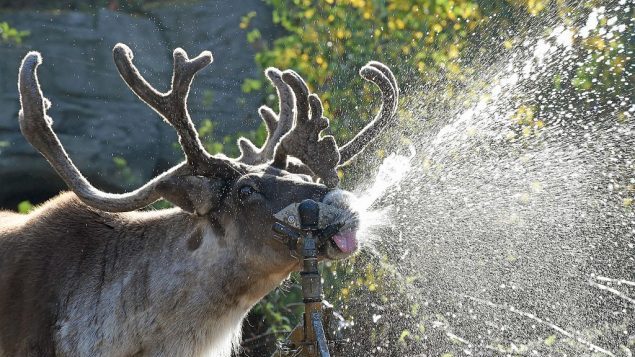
(96, 116)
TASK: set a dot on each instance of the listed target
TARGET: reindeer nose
(338, 198)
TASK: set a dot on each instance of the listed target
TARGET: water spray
(306, 227)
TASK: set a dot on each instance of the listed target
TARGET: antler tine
(36, 126)
(270, 118)
(383, 78)
(277, 125)
(171, 105)
(387, 72)
(303, 141)
(321, 155)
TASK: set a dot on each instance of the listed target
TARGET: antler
(172, 105)
(36, 126)
(277, 125)
(321, 154)
(380, 75)
(303, 141)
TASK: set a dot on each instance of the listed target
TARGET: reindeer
(89, 274)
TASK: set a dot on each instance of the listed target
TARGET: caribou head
(226, 206)
(242, 194)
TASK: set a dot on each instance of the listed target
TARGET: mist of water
(513, 233)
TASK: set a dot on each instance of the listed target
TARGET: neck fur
(184, 290)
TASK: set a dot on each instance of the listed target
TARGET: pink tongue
(346, 241)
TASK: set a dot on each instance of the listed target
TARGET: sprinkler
(304, 228)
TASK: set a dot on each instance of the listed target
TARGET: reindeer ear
(194, 194)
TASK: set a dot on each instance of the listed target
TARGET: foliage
(604, 69)
(424, 42)
(11, 35)
(25, 207)
(124, 172)
(329, 41)
(227, 144)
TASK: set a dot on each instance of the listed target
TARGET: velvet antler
(36, 126)
(300, 137)
(320, 154)
(277, 125)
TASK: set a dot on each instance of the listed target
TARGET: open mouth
(343, 244)
(346, 241)
(324, 219)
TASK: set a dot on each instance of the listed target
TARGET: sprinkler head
(327, 215)
(309, 212)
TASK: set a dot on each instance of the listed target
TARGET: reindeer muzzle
(323, 220)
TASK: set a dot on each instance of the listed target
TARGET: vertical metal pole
(318, 328)
(311, 289)
(309, 212)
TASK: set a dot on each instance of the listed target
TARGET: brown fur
(66, 253)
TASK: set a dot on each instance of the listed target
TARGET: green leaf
(549, 341)
(208, 98)
(253, 36)
(25, 207)
(250, 85)
(120, 162)
(9, 34)
(404, 334)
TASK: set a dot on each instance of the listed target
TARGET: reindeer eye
(247, 191)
